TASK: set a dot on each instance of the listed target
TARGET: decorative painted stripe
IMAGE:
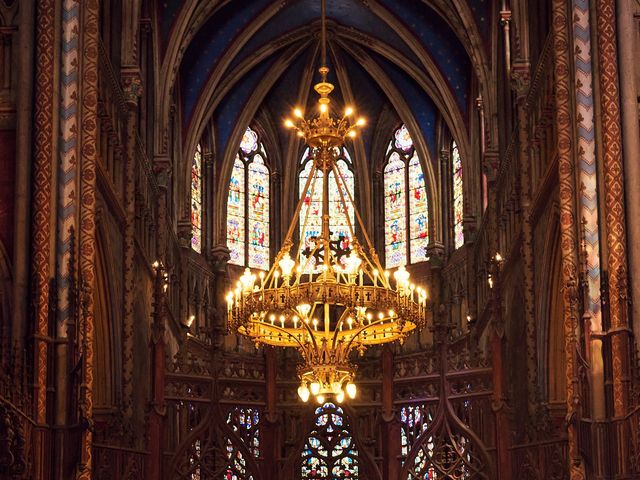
(67, 168)
(587, 156)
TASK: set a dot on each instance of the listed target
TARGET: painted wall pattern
(67, 171)
(587, 155)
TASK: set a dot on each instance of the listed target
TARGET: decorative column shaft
(568, 228)
(132, 89)
(521, 82)
(588, 199)
(614, 203)
(87, 240)
(157, 415)
(41, 222)
(627, 44)
(390, 426)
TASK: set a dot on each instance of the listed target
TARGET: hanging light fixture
(327, 300)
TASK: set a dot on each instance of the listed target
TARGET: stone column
(628, 40)
(390, 426)
(568, 228)
(24, 104)
(86, 231)
(41, 225)
(520, 82)
(157, 406)
(132, 89)
(447, 212)
(619, 331)
(270, 428)
(499, 398)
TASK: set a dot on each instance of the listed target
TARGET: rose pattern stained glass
(406, 206)
(196, 200)
(403, 139)
(248, 205)
(458, 197)
(330, 451)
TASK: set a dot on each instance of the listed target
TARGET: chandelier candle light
(333, 299)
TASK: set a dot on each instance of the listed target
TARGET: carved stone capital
(131, 86)
(219, 257)
(491, 163)
(520, 77)
(184, 233)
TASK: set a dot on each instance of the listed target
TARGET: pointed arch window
(330, 451)
(458, 197)
(196, 200)
(406, 208)
(342, 187)
(248, 205)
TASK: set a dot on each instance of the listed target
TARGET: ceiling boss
(328, 299)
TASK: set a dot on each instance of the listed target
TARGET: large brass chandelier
(326, 300)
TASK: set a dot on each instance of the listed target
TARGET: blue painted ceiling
(423, 33)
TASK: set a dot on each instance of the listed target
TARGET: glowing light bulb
(323, 107)
(351, 390)
(298, 113)
(315, 388)
(320, 399)
(286, 265)
(288, 123)
(303, 309)
(361, 121)
(340, 397)
(348, 112)
(304, 393)
(353, 134)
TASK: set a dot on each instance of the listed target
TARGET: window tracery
(196, 200)
(342, 187)
(330, 451)
(405, 203)
(248, 205)
(245, 423)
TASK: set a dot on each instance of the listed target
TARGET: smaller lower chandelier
(334, 298)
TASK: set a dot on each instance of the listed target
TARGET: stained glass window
(248, 205)
(458, 197)
(415, 419)
(245, 423)
(341, 190)
(330, 451)
(405, 203)
(196, 200)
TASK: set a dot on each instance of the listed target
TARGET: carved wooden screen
(444, 448)
(330, 451)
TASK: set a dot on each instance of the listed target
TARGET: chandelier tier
(333, 297)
